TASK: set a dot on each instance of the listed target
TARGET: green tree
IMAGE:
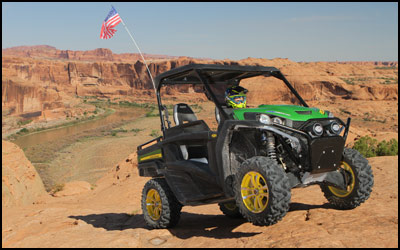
(367, 146)
(370, 147)
(387, 148)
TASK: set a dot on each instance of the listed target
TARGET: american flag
(109, 23)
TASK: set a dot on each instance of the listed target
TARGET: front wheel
(160, 207)
(262, 191)
(360, 182)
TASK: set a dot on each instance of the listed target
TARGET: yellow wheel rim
(254, 190)
(344, 193)
(153, 204)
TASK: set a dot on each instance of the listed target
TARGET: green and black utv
(252, 161)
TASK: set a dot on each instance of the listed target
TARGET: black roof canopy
(216, 79)
(216, 74)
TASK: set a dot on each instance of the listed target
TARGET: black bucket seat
(184, 113)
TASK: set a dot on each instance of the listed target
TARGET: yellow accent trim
(214, 135)
(322, 112)
(254, 191)
(341, 193)
(155, 156)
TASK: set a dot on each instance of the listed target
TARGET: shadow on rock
(210, 226)
(111, 221)
(190, 225)
(300, 206)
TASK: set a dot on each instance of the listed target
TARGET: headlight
(277, 120)
(318, 129)
(265, 119)
(330, 114)
(335, 128)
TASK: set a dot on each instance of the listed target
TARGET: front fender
(225, 133)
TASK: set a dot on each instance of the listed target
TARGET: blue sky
(235, 30)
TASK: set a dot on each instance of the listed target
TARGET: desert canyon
(43, 87)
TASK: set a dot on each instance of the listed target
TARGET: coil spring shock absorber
(269, 139)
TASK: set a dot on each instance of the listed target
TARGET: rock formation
(100, 54)
(38, 80)
(21, 184)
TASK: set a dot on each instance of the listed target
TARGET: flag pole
(151, 77)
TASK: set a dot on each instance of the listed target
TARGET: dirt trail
(110, 216)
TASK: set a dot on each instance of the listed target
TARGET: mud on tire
(273, 200)
(362, 185)
(166, 213)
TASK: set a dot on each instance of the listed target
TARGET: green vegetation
(77, 120)
(120, 130)
(348, 80)
(150, 106)
(136, 130)
(57, 188)
(155, 133)
(386, 67)
(196, 107)
(369, 147)
(368, 118)
(389, 80)
(353, 81)
(22, 123)
(388, 148)
(23, 131)
(361, 80)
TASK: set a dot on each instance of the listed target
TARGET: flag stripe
(116, 17)
(115, 20)
(112, 20)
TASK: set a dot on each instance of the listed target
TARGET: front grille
(297, 124)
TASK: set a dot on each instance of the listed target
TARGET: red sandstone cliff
(100, 54)
(32, 86)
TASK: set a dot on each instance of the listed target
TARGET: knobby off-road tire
(270, 203)
(230, 209)
(360, 186)
(160, 207)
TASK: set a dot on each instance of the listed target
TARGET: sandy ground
(110, 216)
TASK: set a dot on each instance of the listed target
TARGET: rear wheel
(262, 191)
(360, 182)
(160, 207)
(230, 209)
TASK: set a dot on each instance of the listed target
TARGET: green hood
(292, 112)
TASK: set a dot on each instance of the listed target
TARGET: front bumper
(326, 154)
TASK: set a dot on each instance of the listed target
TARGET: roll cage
(215, 80)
